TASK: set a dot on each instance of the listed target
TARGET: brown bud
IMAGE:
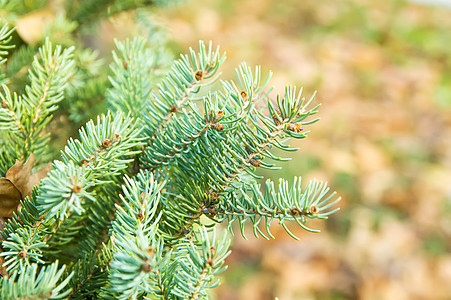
(146, 268)
(84, 162)
(218, 126)
(23, 253)
(243, 94)
(199, 74)
(106, 143)
(125, 64)
(299, 127)
(219, 114)
(212, 251)
(173, 108)
(212, 197)
(116, 136)
(210, 262)
(4, 104)
(254, 162)
(140, 216)
(294, 211)
(151, 251)
(314, 209)
(76, 188)
(294, 127)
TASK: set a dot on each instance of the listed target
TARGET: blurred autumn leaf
(18, 184)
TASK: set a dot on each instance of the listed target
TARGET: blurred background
(382, 70)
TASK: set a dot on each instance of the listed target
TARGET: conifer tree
(132, 208)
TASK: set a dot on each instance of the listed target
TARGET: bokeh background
(382, 70)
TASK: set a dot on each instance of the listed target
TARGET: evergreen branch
(285, 204)
(5, 38)
(89, 277)
(102, 151)
(138, 252)
(181, 133)
(65, 190)
(11, 112)
(93, 247)
(130, 84)
(198, 264)
(27, 216)
(25, 236)
(48, 81)
(22, 248)
(133, 68)
(46, 89)
(183, 82)
(202, 176)
(18, 64)
(29, 284)
(24, 118)
(94, 226)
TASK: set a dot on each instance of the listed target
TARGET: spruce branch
(212, 167)
(48, 80)
(5, 39)
(198, 262)
(103, 150)
(22, 248)
(24, 118)
(29, 284)
(135, 69)
(285, 204)
(137, 251)
(182, 83)
(123, 232)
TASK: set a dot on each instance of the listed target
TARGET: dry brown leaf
(3, 272)
(31, 26)
(18, 184)
(9, 197)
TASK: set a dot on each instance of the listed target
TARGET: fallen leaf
(3, 272)
(31, 26)
(9, 197)
(18, 184)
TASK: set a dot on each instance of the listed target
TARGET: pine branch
(24, 118)
(183, 82)
(126, 233)
(5, 39)
(211, 169)
(198, 264)
(285, 204)
(138, 252)
(134, 67)
(29, 284)
(103, 150)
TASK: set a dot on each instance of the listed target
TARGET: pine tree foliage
(30, 284)
(23, 118)
(132, 208)
(5, 38)
(67, 23)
